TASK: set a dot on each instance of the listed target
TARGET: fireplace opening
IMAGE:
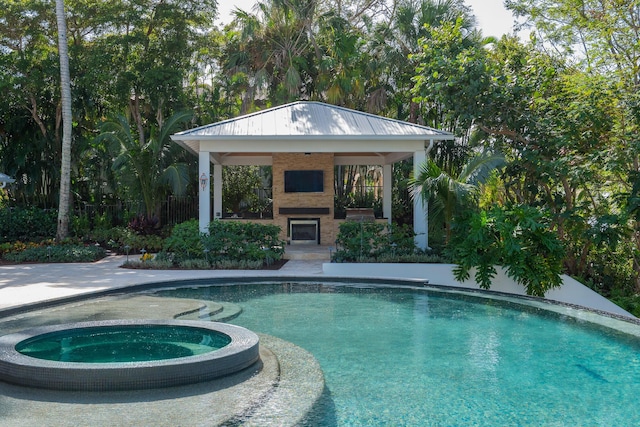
(304, 231)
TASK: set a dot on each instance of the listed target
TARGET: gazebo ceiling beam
(266, 159)
(215, 158)
(257, 160)
(392, 158)
(312, 145)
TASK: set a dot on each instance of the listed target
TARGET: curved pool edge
(282, 390)
(391, 277)
(17, 368)
(570, 292)
(301, 385)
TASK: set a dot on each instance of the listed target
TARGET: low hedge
(57, 253)
(227, 245)
(368, 241)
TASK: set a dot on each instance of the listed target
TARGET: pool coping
(17, 368)
(573, 310)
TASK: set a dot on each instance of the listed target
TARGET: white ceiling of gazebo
(355, 137)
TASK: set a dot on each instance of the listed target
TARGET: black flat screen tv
(304, 181)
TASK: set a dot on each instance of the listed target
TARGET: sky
(493, 18)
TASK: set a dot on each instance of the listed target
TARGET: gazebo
(303, 141)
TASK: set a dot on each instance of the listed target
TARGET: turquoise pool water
(401, 357)
(118, 344)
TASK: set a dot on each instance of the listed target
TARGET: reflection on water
(411, 357)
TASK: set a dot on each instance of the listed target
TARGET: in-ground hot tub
(125, 354)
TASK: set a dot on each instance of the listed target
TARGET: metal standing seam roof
(311, 119)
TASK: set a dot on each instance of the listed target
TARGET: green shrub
(118, 238)
(228, 264)
(368, 241)
(80, 226)
(630, 303)
(185, 242)
(229, 245)
(154, 264)
(27, 225)
(413, 258)
(57, 253)
(243, 241)
(194, 264)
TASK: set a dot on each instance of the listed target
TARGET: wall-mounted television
(304, 181)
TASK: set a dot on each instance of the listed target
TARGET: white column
(387, 184)
(204, 191)
(217, 191)
(420, 225)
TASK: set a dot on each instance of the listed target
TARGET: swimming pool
(415, 356)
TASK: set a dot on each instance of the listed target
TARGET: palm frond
(478, 169)
(177, 177)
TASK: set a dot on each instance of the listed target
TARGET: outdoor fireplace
(304, 231)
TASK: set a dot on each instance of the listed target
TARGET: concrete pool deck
(26, 284)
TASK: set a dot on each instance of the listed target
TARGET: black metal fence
(174, 210)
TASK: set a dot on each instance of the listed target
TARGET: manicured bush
(195, 264)
(185, 242)
(57, 253)
(152, 264)
(27, 225)
(229, 245)
(243, 241)
(368, 241)
(227, 264)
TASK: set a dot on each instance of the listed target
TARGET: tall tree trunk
(65, 88)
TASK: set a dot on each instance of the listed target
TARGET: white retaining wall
(571, 291)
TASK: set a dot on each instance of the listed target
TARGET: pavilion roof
(308, 126)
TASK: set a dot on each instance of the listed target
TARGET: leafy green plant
(185, 242)
(358, 240)
(412, 258)
(369, 241)
(517, 238)
(240, 183)
(147, 161)
(229, 264)
(195, 264)
(80, 226)
(154, 264)
(57, 253)
(237, 240)
(27, 225)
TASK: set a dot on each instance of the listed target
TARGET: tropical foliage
(448, 193)
(369, 241)
(518, 238)
(147, 163)
(563, 108)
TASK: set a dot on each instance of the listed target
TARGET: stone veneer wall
(301, 161)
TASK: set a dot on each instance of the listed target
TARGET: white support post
(204, 191)
(217, 191)
(387, 184)
(420, 224)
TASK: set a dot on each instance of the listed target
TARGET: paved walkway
(29, 283)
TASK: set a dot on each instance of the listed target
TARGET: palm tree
(448, 192)
(65, 87)
(150, 168)
(392, 43)
(273, 48)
